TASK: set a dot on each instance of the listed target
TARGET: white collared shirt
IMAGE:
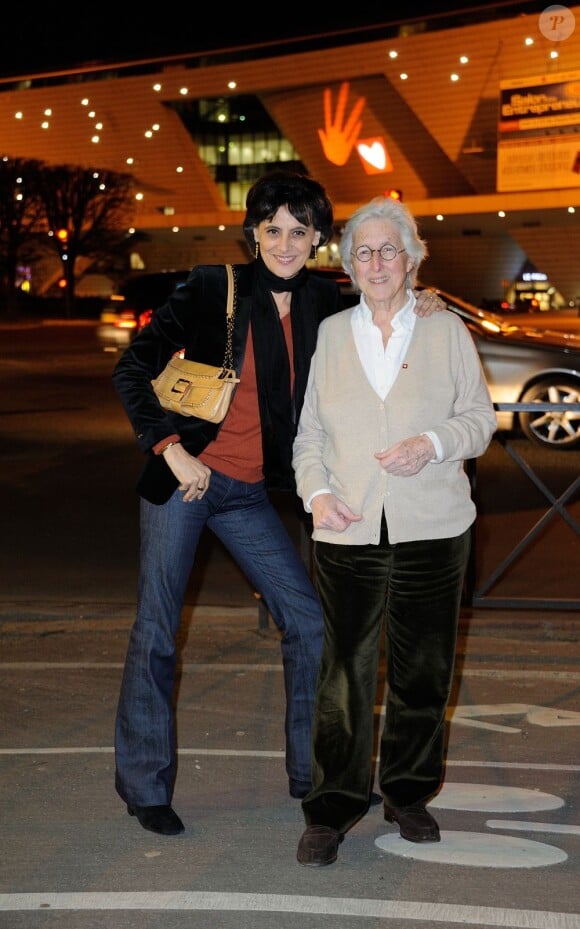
(382, 363)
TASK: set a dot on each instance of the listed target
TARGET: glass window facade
(238, 141)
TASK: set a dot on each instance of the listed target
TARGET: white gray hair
(395, 212)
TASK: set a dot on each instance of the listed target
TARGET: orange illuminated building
(412, 107)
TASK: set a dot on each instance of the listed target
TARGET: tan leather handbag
(195, 389)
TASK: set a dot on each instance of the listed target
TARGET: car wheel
(553, 429)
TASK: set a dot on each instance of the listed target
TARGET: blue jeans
(245, 521)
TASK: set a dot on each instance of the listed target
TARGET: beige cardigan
(440, 387)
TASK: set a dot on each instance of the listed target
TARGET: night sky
(66, 35)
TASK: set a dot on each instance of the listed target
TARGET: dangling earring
(257, 249)
(315, 251)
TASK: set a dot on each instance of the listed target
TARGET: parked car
(522, 364)
(130, 307)
(527, 364)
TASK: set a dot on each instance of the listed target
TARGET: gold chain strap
(228, 359)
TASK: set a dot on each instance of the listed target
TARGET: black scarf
(280, 285)
(277, 408)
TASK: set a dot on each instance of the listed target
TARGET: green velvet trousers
(416, 588)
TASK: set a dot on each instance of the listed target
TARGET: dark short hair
(304, 197)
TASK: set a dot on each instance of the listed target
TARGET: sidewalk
(73, 857)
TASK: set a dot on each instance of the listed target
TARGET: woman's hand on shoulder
(428, 301)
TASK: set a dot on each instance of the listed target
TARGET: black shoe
(161, 819)
(318, 846)
(415, 823)
(300, 789)
(375, 799)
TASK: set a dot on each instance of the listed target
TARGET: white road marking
(119, 665)
(507, 674)
(236, 752)
(532, 714)
(471, 849)
(475, 850)
(492, 798)
(283, 903)
(522, 765)
(109, 749)
(523, 825)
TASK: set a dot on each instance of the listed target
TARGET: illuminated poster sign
(341, 134)
(374, 156)
(539, 133)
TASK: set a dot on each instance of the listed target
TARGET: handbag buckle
(180, 386)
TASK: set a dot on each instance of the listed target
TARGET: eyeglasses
(387, 252)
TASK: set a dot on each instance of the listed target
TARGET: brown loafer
(318, 846)
(415, 823)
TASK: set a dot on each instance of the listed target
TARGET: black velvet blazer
(194, 318)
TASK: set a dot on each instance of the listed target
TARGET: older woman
(394, 405)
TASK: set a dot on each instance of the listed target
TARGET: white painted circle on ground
(475, 850)
(490, 798)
